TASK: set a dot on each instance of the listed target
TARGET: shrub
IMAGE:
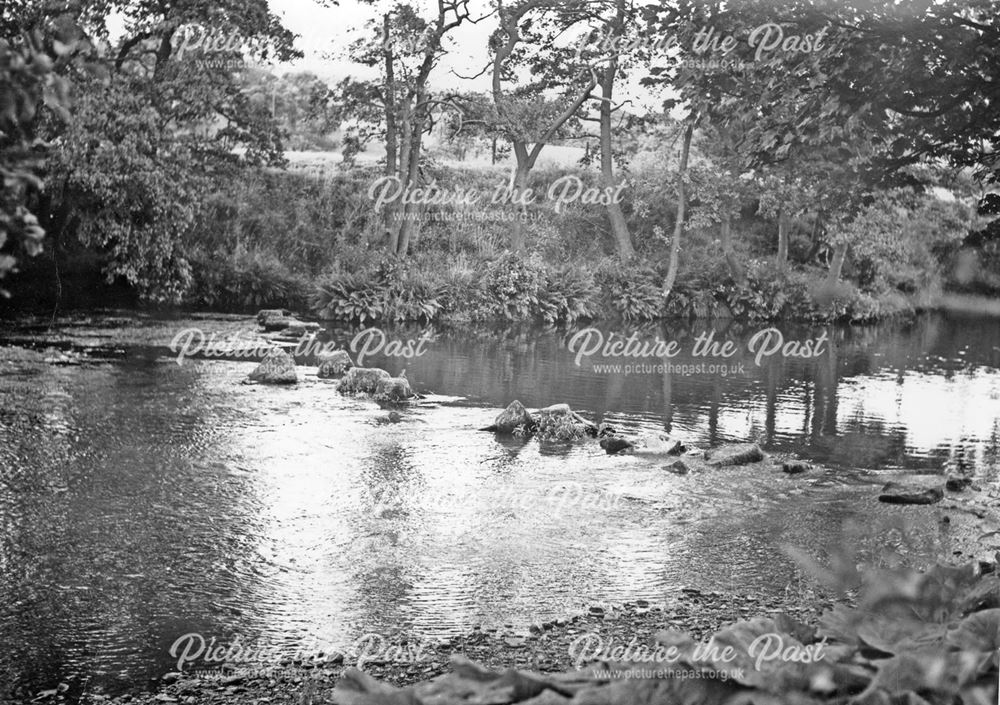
(390, 292)
(770, 293)
(633, 292)
(350, 297)
(510, 289)
(692, 301)
(245, 281)
(569, 294)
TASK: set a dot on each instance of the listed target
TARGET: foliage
(559, 427)
(633, 292)
(391, 291)
(29, 85)
(569, 295)
(148, 128)
(298, 103)
(900, 236)
(511, 288)
(245, 282)
(130, 193)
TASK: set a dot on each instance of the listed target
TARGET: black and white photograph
(496, 352)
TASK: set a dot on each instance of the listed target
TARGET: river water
(141, 500)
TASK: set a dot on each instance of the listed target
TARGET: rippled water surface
(141, 499)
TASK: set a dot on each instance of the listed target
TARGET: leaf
(979, 631)
(893, 635)
(929, 671)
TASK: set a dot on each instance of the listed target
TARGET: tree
(297, 102)
(910, 80)
(153, 121)
(527, 116)
(616, 27)
(30, 87)
(400, 106)
(469, 122)
(675, 239)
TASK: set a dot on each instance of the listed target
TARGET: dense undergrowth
(312, 242)
(513, 288)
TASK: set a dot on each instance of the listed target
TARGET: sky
(325, 33)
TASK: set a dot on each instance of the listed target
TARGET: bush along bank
(513, 288)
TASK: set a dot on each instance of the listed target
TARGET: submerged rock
(277, 367)
(900, 493)
(677, 466)
(616, 444)
(297, 328)
(515, 418)
(334, 364)
(362, 380)
(735, 454)
(393, 389)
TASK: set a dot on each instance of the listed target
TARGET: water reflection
(141, 500)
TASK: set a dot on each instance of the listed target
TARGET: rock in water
(277, 367)
(658, 445)
(334, 364)
(276, 319)
(735, 454)
(677, 466)
(899, 493)
(393, 389)
(266, 313)
(362, 380)
(296, 328)
(605, 430)
(514, 417)
(795, 467)
(957, 483)
(675, 447)
(615, 444)
(559, 422)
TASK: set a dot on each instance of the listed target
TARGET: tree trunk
(389, 100)
(675, 242)
(390, 225)
(836, 265)
(732, 261)
(509, 120)
(517, 243)
(395, 224)
(412, 177)
(781, 260)
(618, 225)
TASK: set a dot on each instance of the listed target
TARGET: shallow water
(141, 500)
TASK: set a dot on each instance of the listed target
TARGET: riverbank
(543, 648)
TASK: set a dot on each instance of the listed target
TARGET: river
(141, 499)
